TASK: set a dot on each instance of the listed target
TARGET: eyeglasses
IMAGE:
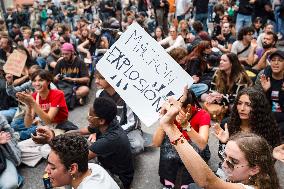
(230, 163)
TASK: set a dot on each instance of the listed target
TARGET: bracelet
(180, 138)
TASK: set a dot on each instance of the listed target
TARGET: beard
(266, 46)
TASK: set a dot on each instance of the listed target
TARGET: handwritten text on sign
(15, 63)
(142, 73)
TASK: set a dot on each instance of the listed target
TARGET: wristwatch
(187, 128)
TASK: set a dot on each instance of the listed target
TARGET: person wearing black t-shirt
(225, 40)
(73, 70)
(245, 10)
(111, 145)
(271, 81)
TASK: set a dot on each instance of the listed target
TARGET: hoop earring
(73, 177)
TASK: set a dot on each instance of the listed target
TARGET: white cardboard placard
(142, 73)
(15, 63)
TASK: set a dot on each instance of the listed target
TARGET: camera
(57, 51)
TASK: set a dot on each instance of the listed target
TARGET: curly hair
(258, 153)
(71, 149)
(244, 31)
(237, 73)
(261, 120)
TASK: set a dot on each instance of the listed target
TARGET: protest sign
(142, 73)
(15, 63)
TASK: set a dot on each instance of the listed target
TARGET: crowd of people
(229, 48)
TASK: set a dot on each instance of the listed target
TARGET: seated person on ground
(49, 106)
(128, 120)
(9, 177)
(271, 81)
(193, 122)
(173, 40)
(72, 70)
(227, 81)
(242, 165)
(250, 113)
(111, 146)
(68, 165)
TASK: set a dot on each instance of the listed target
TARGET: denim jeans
(9, 178)
(89, 16)
(242, 21)
(199, 88)
(279, 22)
(9, 114)
(202, 17)
(41, 62)
(19, 126)
(71, 22)
(210, 11)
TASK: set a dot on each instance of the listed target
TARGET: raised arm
(196, 166)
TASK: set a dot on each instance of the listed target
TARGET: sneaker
(280, 36)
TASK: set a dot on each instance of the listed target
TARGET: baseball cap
(278, 52)
(67, 47)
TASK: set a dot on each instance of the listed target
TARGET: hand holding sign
(142, 73)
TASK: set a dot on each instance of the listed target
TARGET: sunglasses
(230, 163)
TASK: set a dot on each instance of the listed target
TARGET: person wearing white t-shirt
(173, 40)
(182, 8)
(68, 164)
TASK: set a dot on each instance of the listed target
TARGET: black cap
(278, 52)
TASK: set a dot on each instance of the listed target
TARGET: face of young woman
(38, 42)
(39, 84)
(225, 64)
(58, 174)
(244, 107)
(257, 25)
(235, 165)
(158, 32)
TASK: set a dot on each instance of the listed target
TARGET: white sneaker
(280, 36)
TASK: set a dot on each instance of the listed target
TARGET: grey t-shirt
(238, 47)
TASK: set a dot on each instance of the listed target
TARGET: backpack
(69, 93)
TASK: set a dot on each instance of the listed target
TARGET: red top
(55, 98)
(200, 118)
